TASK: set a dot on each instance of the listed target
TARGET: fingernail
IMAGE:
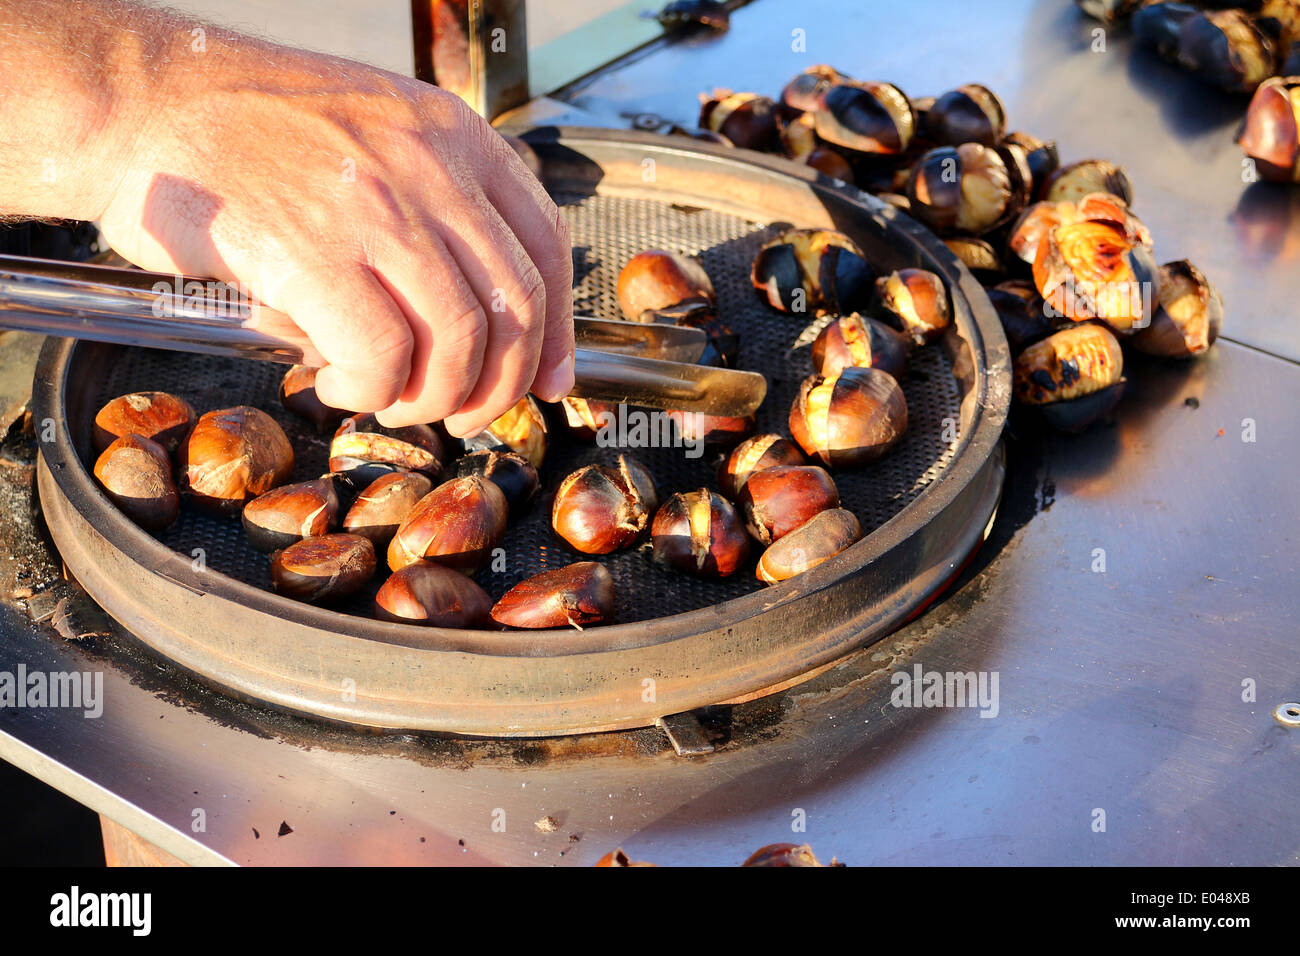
(556, 383)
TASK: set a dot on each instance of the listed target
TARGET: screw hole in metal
(1288, 715)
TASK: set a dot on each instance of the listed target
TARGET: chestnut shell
(700, 533)
(381, 506)
(289, 513)
(158, 416)
(602, 508)
(823, 536)
(858, 340)
(849, 420)
(576, 595)
(777, 500)
(136, 474)
(432, 595)
(325, 568)
(457, 524)
(366, 449)
(231, 456)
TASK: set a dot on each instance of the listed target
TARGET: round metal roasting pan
(623, 191)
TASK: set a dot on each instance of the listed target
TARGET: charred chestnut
(755, 454)
(1228, 49)
(233, 455)
(521, 430)
(577, 595)
(512, 473)
(823, 536)
(1160, 26)
(298, 395)
(700, 533)
(809, 270)
(861, 341)
(432, 595)
(657, 279)
(290, 513)
(327, 568)
(365, 449)
(1189, 317)
(916, 302)
(457, 524)
(747, 119)
(967, 188)
(158, 416)
(383, 505)
(1271, 135)
(1074, 375)
(601, 508)
(775, 501)
(712, 431)
(1021, 311)
(1071, 183)
(136, 474)
(866, 117)
(969, 114)
(1097, 268)
(848, 420)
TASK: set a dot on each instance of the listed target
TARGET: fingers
(358, 329)
(544, 233)
(513, 296)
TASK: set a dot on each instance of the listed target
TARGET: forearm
(80, 80)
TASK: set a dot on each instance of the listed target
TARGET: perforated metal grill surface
(606, 233)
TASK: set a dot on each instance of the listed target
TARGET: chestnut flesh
(136, 474)
(289, 513)
(777, 500)
(1189, 317)
(601, 508)
(858, 340)
(700, 533)
(916, 302)
(848, 420)
(457, 524)
(752, 455)
(659, 279)
(363, 446)
(823, 536)
(326, 568)
(522, 429)
(158, 416)
(233, 455)
(1075, 375)
(1071, 183)
(383, 505)
(577, 595)
(432, 595)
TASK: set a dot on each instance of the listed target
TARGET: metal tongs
(633, 363)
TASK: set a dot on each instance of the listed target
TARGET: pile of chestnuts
(1069, 267)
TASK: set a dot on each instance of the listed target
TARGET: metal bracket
(686, 734)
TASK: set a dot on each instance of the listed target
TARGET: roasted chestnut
(327, 568)
(512, 473)
(915, 301)
(136, 474)
(383, 505)
(1021, 311)
(1271, 134)
(1097, 268)
(823, 536)
(1074, 375)
(967, 188)
(858, 340)
(290, 513)
(1160, 26)
(577, 595)
(755, 454)
(521, 430)
(783, 854)
(1189, 317)
(848, 420)
(866, 117)
(586, 417)
(233, 455)
(723, 345)
(1227, 48)
(365, 449)
(700, 533)
(298, 395)
(158, 416)
(1041, 157)
(1037, 222)
(712, 431)
(978, 256)
(804, 92)
(433, 595)
(601, 508)
(1071, 183)
(657, 279)
(800, 143)
(457, 524)
(969, 114)
(810, 270)
(775, 501)
(747, 119)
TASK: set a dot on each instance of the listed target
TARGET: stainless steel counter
(1120, 691)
